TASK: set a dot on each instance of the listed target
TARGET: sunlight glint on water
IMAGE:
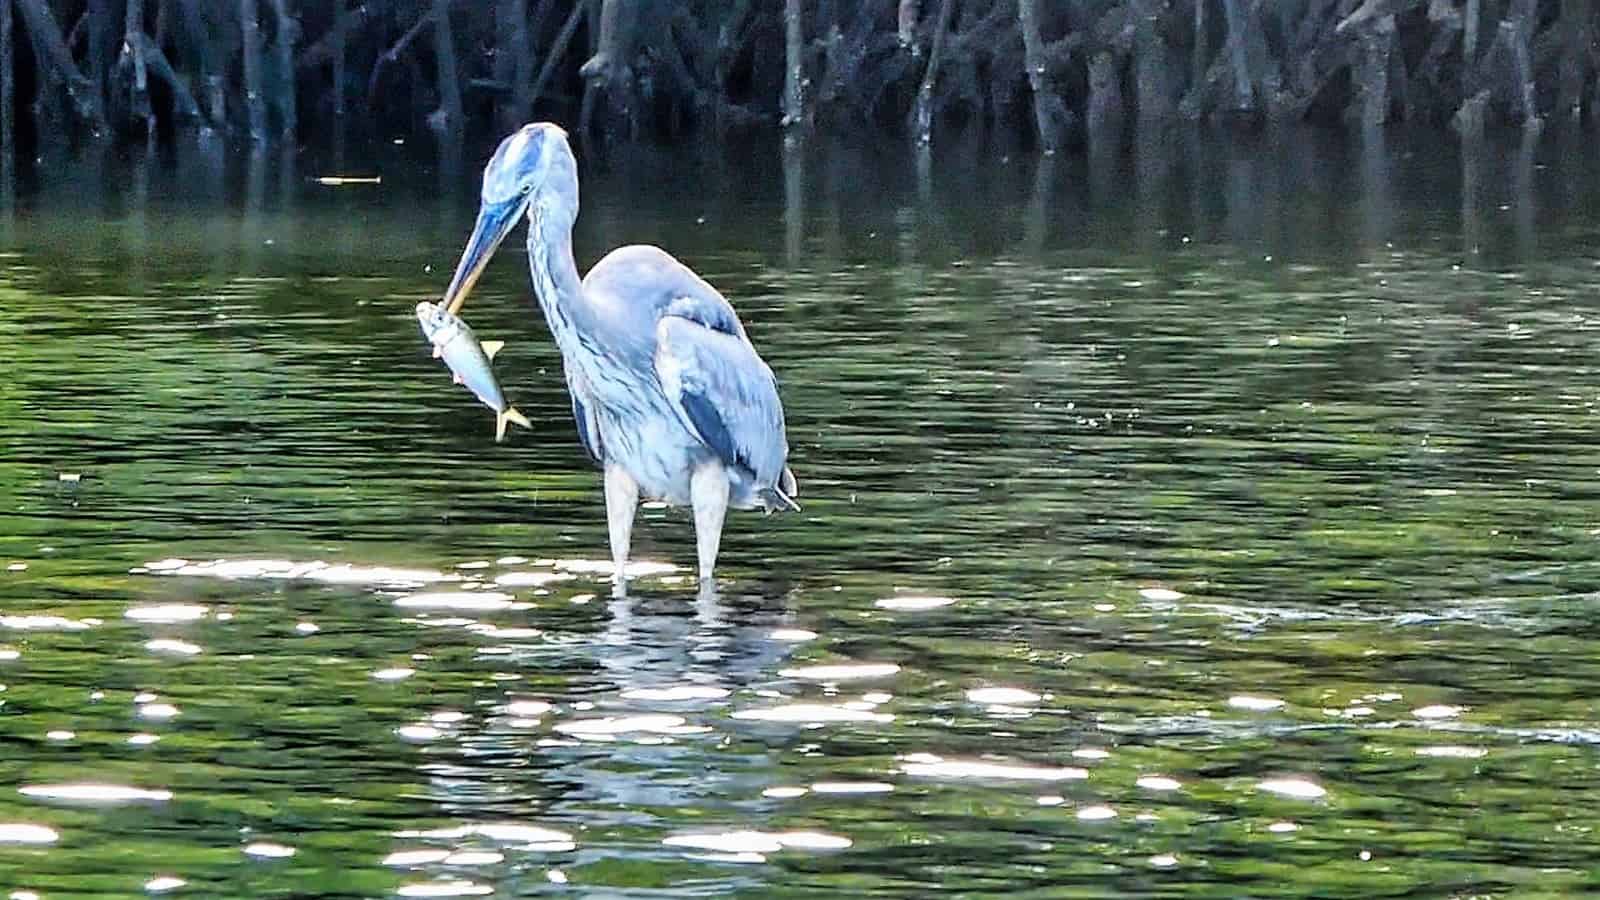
(1132, 563)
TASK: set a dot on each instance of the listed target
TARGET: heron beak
(495, 221)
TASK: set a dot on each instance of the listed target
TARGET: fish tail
(510, 416)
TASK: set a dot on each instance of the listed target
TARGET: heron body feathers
(663, 376)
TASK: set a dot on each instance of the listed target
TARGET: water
(1228, 531)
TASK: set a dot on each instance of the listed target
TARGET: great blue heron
(668, 394)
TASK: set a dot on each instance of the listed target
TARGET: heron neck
(555, 278)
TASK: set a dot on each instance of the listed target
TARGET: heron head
(533, 167)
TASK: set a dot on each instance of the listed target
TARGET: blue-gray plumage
(669, 396)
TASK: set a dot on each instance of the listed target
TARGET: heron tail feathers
(775, 499)
(510, 416)
(782, 496)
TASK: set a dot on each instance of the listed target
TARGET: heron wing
(639, 284)
(712, 312)
(724, 393)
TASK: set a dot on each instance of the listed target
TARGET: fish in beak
(469, 362)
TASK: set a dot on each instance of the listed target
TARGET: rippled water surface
(1221, 524)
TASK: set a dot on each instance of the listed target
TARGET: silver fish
(468, 360)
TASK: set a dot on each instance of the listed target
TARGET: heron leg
(622, 500)
(708, 492)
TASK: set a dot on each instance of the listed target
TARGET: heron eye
(527, 189)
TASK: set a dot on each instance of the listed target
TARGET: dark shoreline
(1029, 75)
